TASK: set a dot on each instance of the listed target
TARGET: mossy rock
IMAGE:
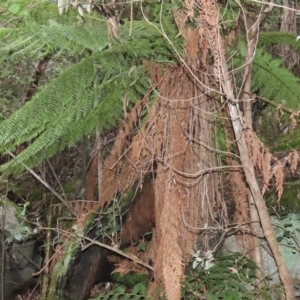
(13, 222)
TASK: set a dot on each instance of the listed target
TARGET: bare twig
(45, 184)
(129, 256)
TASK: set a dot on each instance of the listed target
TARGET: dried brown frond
(279, 112)
(183, 204)
(293, 119)
(262, 161)
(156, 70)
(293, 159)
(126, 266)
(91, 177)
(260, 156)
(278, 173)
(180, 18)
(189, 7)
(177, 135)
(256, 148)
(267, 171)
(239, 192)
(81, 207)
(192, 46)
(169, 260)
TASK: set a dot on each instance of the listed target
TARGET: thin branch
(45, 184)
(272, 103)
(129, 256)
(57, 179)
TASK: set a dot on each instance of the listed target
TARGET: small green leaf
(15, 8)
(143, 247)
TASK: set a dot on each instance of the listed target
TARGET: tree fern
(84, 95)
(270, 79)
(63, 111)
(273, 81)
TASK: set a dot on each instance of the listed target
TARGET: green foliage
(108, 224)
(274, 81)
(278, 38)
(231, 277)
(16, 225)
(270, 79)
(130, 279)
(59, 273)
(138, 292)
(16, 8)
(289, 202)
(230, 14)
(287, 142)
(85, 95)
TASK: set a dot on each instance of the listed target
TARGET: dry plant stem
(91, 177)
(2, 257)
(129, 256)
(100, 162)
(271, 103)
(45, 279)
(210, 26)
(45, 184)
(46, 266)
(253, 185)
(257, 256)
(252, 30)
(277, 5)
(57, 179)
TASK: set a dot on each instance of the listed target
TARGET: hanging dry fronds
(183, 203)
(239, 192)
(267, 171)
(279, 112)
(293, 119)
(293, 159)
(180, 17)
(278, 173)
(255, 148)
(260, 156)
(82, 207)
(262, 161)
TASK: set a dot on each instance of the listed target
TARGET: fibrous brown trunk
(210, 29)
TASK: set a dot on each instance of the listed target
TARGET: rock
(19, 254)
(21, 260)
(287, 231)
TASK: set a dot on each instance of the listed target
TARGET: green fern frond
(277, 37)
(270, 79)
(139, 292)
(146, 41)
(273, 81)
(81, 98)
(86, 95)
(26, 123)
